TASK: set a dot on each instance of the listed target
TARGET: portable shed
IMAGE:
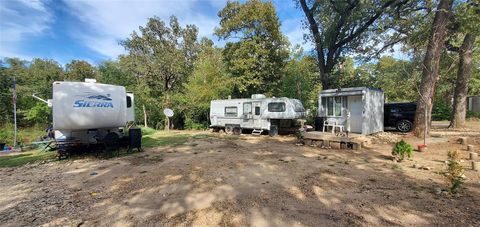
(356, 109)
(473, 103)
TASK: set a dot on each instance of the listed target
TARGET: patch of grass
(26, 157)
(25, 135)
(169, 138)
(397, 167)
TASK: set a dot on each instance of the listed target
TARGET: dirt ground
(254, 181)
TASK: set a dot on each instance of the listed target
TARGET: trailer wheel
(228, 129)
(273, 130)
(237, 131)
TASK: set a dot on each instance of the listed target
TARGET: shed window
(276, 107)
(247, 108)
(231, 111)
(334, 106)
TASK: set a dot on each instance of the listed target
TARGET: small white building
(473, 104)
(258, 113)
(356, 110)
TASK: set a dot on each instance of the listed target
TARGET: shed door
(355, 107)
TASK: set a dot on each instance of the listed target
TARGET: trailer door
(130, 107)
(257, 120)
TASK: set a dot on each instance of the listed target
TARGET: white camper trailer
(89, 111)
(356, 109)
(258, 113)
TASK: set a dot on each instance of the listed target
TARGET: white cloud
(107, 21)
(19, 20)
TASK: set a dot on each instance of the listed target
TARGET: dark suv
(400, 115)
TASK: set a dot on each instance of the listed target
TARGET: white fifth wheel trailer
(88, 112)
(258, 113)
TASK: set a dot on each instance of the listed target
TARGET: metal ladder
(257, 132)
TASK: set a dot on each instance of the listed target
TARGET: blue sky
(89, 30)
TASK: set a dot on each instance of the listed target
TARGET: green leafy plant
(454, 173)
(402, 150)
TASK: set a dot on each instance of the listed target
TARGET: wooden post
(145, 116)
(473, 156)
(475, 165)
(471, 148)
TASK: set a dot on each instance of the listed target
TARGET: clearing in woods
(207, 179)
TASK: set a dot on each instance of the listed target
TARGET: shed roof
(347, 91)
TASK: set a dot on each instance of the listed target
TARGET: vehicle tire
(404, 126)
(237, 131)
(228, 129)
(273, 130)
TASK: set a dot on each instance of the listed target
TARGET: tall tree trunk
(431, 68)
(461, 88)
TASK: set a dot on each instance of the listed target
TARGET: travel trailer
(88, 112)
(258, 114)
(357, 110)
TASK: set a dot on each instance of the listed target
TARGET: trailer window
(334, 106)
(276, 107)
(129, 101)
(257, 110)
(247, 108)
(231, 111)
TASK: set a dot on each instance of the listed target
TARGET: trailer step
(257, 132)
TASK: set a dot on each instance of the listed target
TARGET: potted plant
(422, 147)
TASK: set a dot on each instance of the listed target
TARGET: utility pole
(14, 97)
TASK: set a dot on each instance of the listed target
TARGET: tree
(257, 58)
(79, 70)
(300, 78)
(466, 15)
(160, 58)
(344, 26)
(430, 70)
(209, 81)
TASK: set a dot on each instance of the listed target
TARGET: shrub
(402, 150)
(441, 111)
(454, 173)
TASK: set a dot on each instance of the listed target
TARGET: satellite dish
(168, 112)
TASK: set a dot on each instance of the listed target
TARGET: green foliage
(78, 70)
(441, 111)
(24, 135)
(471, 114)
(256, 51)
(209, 81)
(40, 113)
(25, 158)
(454, 174)
(402, 150)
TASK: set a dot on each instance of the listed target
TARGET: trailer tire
(237, 131)
(228, 129)
(273, 130)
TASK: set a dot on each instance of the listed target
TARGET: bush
(471, 114)
(191, 124)
(454, 173)
(441, 111)
(402, 149)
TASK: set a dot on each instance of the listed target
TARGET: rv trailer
(258, 114)
(86, 113)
